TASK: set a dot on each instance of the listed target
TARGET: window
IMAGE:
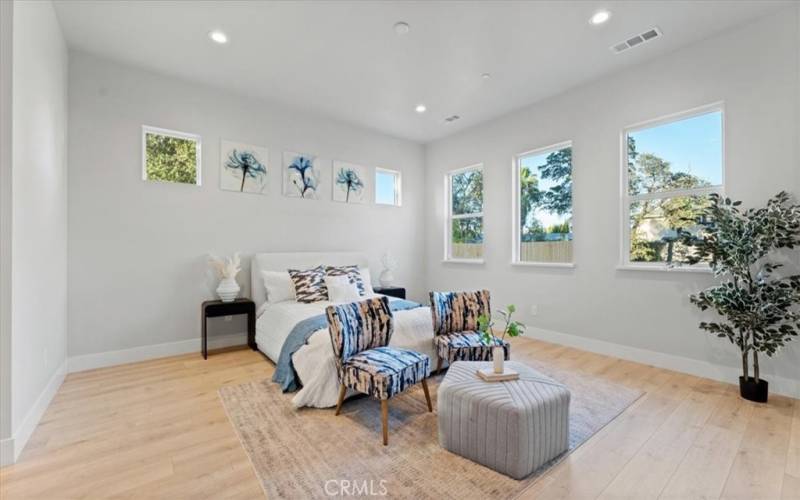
(543, 206)
(387, 187)
(464, 230)
(670, 167)
(170, 156)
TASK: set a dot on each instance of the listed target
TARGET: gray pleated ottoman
(512, 427)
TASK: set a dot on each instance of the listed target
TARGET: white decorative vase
(228, 289)
(386, 278)
(498, 358)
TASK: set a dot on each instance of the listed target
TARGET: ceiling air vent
(633, 41)
(451, 119)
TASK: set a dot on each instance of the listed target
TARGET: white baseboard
(143, 353)
(6, 451)
(777, 385)
(12, 447)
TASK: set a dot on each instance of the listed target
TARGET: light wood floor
(158, 429)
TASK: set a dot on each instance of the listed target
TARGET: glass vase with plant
(511, 328)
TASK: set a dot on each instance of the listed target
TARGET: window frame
(450, 217)
(626, 199)
(516, 242)
(398, 187)
(178, 135)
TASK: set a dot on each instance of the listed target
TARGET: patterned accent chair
(360, 334)
(455, 327)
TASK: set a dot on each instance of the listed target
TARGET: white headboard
(296, 260)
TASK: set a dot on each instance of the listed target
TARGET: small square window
(170, 156)
(387, 187)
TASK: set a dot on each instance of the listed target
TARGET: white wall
(138, 250)
(754, 70)
(39, 219)
(6, 53)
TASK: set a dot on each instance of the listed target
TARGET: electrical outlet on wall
(534, 310)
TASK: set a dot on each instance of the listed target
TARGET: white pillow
(365, 277)
(279, 286)
(341, 290)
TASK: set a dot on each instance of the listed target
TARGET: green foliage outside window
(655, 223)
(467, 192)
(170, 159)
(555, 199)
(469, 230)
(467, 198)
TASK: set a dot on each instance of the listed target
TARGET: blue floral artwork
(243, 168)
(349, 182)
(301, 177)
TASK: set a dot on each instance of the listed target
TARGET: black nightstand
(392, 291)
(217, 308)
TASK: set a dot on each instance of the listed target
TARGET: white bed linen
(314, 362)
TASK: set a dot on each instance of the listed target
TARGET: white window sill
(463, 261)
(563, 265)
(664, 269)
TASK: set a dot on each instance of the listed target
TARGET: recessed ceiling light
(486, 76)
(600, 17)
(420, 108)
(218, 36)
(402, 28)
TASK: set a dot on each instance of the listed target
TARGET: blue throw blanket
(284, 372)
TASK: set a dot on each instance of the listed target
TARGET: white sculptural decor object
(389, 265)
(227, 270)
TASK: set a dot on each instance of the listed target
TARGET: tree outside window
(544, 195)
(671, 168)
(465, 218)
(171, 156)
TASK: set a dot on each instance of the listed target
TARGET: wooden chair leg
(385, 420)
(342, 392)
(438, 364)
(427, 394)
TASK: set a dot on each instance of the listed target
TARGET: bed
(313, 362)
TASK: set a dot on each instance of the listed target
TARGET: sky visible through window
(385, 188)
(533, 162)
(692, 145)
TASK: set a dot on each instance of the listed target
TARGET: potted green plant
(757, 307)
(512, 329)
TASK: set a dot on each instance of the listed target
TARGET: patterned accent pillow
(352, 273)
(309, 285)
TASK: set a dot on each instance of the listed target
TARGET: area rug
(310, 453)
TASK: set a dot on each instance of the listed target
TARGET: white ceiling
(344, 60)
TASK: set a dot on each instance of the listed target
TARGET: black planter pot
(751, 391)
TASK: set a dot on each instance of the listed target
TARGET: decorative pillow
(340, 289)
(279, 286)
(366, 279)
(352, 274)
(309, 285)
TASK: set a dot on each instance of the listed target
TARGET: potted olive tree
(757, 307)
